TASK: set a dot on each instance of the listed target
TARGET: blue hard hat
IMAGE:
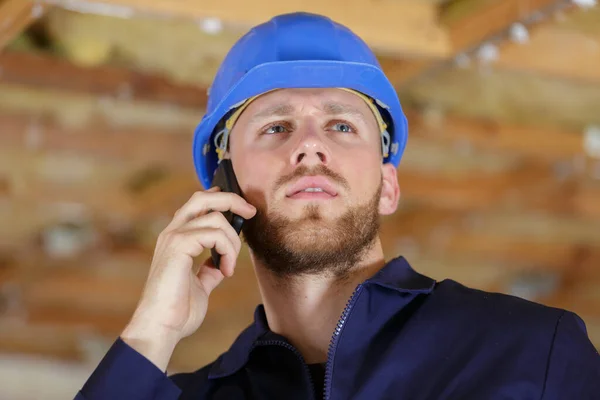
(298, 50)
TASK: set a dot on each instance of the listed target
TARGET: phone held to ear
(225, 179)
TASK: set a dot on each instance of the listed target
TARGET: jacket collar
(397, 275)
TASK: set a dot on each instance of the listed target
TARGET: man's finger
(202, 202)
(215, 220)
(209, 276)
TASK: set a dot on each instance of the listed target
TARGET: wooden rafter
(15, 16)
(512, 97)
(471, 24)
(555, 51)
(538, 143)
(49, 341)
(399, 27)
(43, 71)
(475, 20)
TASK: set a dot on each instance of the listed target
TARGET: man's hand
(175, 299)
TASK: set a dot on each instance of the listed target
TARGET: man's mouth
(311, 194)
(312, 187)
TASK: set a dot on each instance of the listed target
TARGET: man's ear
(390, 190)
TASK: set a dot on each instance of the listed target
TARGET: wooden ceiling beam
(546, 244)
(81, 292)
(398, 27)
(511, 97)
(57, 342)
(470, 23)
(102, 323)
(529, 141)
(160, 146)
(473, 21)
(528, 188)
(555, 51)
(15, 17)
(50, 72)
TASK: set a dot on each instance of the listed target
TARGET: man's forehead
(287, 101)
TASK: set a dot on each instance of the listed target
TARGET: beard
(312, 244)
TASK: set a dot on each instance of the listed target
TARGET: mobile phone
(224, 178)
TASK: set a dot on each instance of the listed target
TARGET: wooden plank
(57, 342)
(511, 97)
(469, 23)
(555, 51)
(98, 141)
(15, 16)
(399, 27)
(102, 323)
(546, 243)
(548, 144)
(51, 72)
(4, 186)
(485, 18)
(526, 188)
(518, 223)
(99, 290)
(81, 290)
(81, 109)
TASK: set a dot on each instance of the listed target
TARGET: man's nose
(311, 150)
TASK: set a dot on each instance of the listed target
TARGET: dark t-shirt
(317, 372)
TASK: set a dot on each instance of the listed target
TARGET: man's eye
(273, 129)
(343, 127)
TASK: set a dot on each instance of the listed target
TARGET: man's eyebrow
(333, 108)
(278, 110)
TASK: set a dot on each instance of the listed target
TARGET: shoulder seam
(550, 353)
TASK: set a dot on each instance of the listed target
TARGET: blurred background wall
(99, 100)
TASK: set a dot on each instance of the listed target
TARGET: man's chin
(311, 212)
(309, 235)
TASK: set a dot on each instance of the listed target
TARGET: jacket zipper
(335, 337)
(297, 353)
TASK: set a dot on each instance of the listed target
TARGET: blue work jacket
(402, 335)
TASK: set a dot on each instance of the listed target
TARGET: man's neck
(306, 309)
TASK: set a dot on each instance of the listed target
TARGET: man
(315, 131)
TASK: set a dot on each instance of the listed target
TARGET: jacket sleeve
(124, 373)
(573, 370)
